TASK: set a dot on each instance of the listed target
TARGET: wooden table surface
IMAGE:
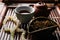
(5, 36)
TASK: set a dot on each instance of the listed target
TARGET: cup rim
(15, 10)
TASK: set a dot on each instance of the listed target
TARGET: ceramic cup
(24, 17)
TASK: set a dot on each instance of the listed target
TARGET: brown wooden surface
(28, 0)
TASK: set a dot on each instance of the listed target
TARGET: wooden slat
(2, 15)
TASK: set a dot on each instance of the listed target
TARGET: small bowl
(41, 19)
(41, 32)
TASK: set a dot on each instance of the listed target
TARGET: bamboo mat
(56, 17)
(4, 36)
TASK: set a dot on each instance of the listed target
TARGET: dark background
(29, 0)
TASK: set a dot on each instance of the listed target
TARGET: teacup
(24, 13)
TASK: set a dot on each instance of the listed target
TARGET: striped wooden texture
(4, 36)
(56, 17)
